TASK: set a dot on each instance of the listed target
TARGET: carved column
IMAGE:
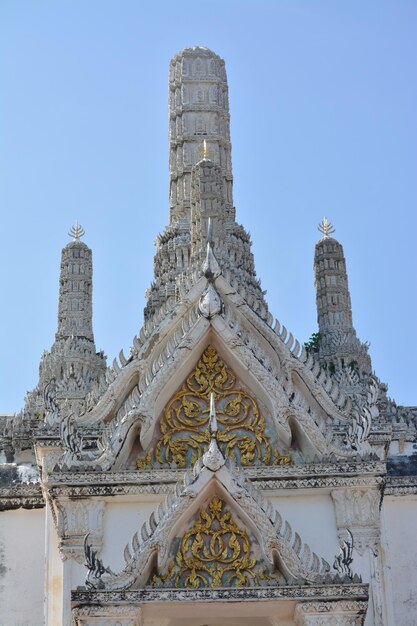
(342, 613)
(358, 511)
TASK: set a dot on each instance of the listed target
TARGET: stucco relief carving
(107, 616)
(74, 519)
(358, 510)
(341, 613)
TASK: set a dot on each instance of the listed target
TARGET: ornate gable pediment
(245, 434)
(217, 531)
(304, 410)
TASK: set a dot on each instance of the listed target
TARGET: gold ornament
(184, 425)
(326, 228)
(216, 552)
(77, 231)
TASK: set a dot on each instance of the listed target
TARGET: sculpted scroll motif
(215, 552)
(184, 426)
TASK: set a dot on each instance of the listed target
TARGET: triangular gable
(274, 557)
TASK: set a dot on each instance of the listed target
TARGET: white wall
(399, 519)
(313, 517)
(121, 521)
(22, 567)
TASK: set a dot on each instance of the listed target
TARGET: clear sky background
(323, 101)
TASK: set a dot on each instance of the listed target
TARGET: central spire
(201, 180)
(198, 116)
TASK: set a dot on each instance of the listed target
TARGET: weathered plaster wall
(22, 567)
(399, 516)
(121, 521)
(313, 518)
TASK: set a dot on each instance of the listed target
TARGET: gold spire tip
(326, 228)
(204, 151)
(76, 232)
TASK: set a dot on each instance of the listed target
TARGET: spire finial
(213, 417)
(210, 232)
(326, 228)
(213, 459)
(204, 151)
(76, 232)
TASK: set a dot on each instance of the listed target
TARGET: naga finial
(326, 228)
(204, 151)
(76, 232)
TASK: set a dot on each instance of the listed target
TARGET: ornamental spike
(76, 232)
(326, 228)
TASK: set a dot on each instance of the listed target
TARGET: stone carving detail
(210, 302)
(74, 519)
(358, 510)
(341, 613)
(120, 615)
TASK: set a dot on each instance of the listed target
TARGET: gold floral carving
(184, 426)
(215, 552)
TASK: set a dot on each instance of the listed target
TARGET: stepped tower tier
(201, 185)
(339, 347)
(198, 109)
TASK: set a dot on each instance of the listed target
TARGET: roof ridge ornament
(326, 228)
(76, 232)
(211, 269)
(213, 459)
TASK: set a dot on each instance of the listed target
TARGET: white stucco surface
(313, 518)
(400, 543)
(22, 563)
(121, 521)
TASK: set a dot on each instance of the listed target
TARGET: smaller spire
(204, 151)
(326, 228)
(76, 232)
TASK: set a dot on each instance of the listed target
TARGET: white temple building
(221, 474)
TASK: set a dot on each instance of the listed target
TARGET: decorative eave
(355, 592)
(401, 486)
(24, 496)
(139, 483)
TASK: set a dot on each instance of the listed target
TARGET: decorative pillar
(358, 510)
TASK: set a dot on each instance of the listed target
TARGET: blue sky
(323, 100)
